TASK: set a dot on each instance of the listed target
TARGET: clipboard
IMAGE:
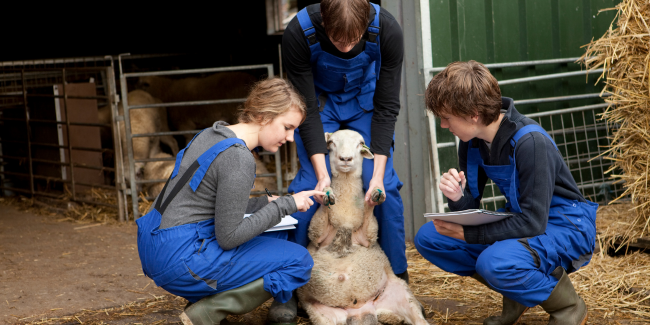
(472, 217)
(287, 223)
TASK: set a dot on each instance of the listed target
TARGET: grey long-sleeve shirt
(224, 193)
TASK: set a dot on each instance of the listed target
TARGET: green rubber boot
(564, 305)
(211, 310)
(283, 313)
(511, 312)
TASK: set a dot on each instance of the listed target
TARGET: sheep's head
(347, 150)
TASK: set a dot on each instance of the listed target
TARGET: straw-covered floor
(616, 289)
(623, 53)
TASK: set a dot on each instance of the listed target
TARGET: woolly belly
(347, 282)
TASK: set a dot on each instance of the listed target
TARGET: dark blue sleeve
(538, 164)
(468, 201)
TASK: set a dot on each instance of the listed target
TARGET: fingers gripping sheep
(352, 281)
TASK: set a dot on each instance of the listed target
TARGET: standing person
(196, 243)
(345, 58)
(552, 229)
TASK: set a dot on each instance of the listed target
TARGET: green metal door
(496, 31)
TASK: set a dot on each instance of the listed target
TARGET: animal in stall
(224, 85)
(157, 170)
(352, 281)
(143, 120)
(263, 182)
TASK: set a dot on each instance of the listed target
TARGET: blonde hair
(269, 99)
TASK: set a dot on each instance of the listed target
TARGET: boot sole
(584, 321)
(186, 320)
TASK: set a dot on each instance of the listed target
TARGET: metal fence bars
(581, 137)
(129, 136)
(50, 131)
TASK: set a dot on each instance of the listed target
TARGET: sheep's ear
(365, 152)
(328, 137)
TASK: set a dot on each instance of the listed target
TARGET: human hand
(323, 182)
(272, 198)
(449, 184)
(303, 202)
(449, 229)
(375, 197)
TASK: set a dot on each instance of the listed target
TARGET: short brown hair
(269, 99)
(345, 20)
(465, 89)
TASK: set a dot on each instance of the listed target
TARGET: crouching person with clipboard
(196, 243)
(525, 257)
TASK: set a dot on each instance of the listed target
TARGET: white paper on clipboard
(472, 217)
(287, 223)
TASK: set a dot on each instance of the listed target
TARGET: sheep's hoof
(329, 198)
(378, 195)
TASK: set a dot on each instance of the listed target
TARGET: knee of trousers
(505, 264)
(293, 275)
(428, 240)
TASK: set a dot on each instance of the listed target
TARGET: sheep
(352, 281)
(163, 169)
(224, 85)
(143, 120)
(157, 170)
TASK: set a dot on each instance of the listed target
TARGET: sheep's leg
(397, 304)
(367, 233)
(320, 314)
(378, 195)
(364, 315)
(330, 197)
(321, 231)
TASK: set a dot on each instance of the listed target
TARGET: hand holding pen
(452, 184)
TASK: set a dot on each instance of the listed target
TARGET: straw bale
(623, 53)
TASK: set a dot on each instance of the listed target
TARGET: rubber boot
(511, 312)
(564, 305)
(283, 313)
(213, 309)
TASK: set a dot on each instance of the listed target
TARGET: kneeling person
(196, 243)
(525, 257)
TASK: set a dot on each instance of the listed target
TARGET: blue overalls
(349, 86)
(518, 268)
(187, 261)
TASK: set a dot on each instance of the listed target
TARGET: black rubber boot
(283, 313)
(511, 312)
(404, 276)
(564, 305)
(213, 310)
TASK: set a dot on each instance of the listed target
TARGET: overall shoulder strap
(307, 27)
(527, 129)
(201, 164)
(374, 28)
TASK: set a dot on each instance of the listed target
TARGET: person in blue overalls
(552, 230)
(195, 241)
(345, 58)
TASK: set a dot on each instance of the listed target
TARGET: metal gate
(34, 158)
(581, 137)
(129, 136)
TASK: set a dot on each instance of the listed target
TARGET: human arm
(537, 163)
(467, 201)
(386, 100)
(377, 180)
(234, 170)
(296, 58)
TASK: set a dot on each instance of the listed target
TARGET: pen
(268, 192)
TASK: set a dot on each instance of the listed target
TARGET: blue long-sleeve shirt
(542, 174)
